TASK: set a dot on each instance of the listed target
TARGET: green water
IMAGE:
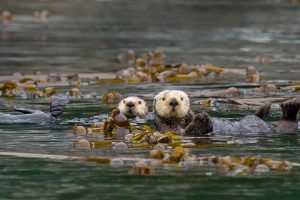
(87, 36)
(24, 178)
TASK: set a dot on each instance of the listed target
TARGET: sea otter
(57, 107)
(133, 106)
(172, 112)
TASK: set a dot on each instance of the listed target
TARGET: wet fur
(176, 124)
(189, 124)
(139, 106)
(57, 107)
(288, 123)
(201, 125)
(169, 118)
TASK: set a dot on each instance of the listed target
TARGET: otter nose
(173, 103)
(130, 104)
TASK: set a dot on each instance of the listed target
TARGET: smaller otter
(133, 106)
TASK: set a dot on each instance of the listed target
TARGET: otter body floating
(256, 124)
(57, 107)
(172, 112)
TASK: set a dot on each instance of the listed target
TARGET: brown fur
(263, 110)
(290, 109)
(200, 126)
(175, 124)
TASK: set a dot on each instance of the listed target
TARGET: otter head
(172, 103)
(133, 106)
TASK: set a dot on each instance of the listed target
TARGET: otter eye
(181, 98)
(163, 99)
(140, 102)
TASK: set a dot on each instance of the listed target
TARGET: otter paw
(263, 110)
(200, 126)
(290, 109)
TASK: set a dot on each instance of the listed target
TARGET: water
(86, 36)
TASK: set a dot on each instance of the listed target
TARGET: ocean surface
(87, 36)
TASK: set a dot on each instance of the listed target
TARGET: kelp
(151, 68)
(214, 102)
(146, 135)
(112, 97)
(266, 90)
(6, 16)
(181, 157)
(252, 75)
(30, 88)
(100, 144)
(241, 102)
(86, 144)
(294, 87)
(8, 88)
(25, 80)
(212, 68)
(42, 14)
(228, 93)
(142, 168)
(148, 68)
(177, 155)
(244, 165)
(25, 86)
(38, 85)
(49, 91)
(74, 92)
(116, 122)
(101, 160)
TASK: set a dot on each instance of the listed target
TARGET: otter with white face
(133, 106)
(172, 104)
(172, 111)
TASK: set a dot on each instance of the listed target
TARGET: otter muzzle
(130, 104)
(173, 103)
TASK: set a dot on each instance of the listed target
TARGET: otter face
(133, 106)
(172, 103)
